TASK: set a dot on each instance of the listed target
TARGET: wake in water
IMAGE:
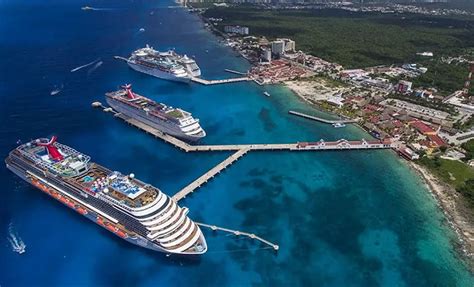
(88, 8)
(85, 66)
(97, 65)
(56, 90)
(16, 243)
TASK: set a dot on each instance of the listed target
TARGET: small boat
(267, 94)
(142, 30)
(152, 13)
(338, 125)
(56, 91)
(85, 8)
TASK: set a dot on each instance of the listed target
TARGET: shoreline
(447, 199)
(445, 196)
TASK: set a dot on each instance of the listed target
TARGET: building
(266, 55)
(278, 47)
(237, 30)
(290, 45)
(403, 87)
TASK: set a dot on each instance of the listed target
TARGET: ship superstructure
(165, 65)
(169, 120)
(129, 208)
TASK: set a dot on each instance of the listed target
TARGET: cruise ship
(169, 120)
(164, 65)
(129, 208)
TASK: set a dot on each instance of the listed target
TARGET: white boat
(338, 125)
(267, 94)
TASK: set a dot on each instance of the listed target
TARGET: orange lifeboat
(111, 228)
(81, 210)
(121, 233)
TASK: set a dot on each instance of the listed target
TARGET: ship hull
(161, 125)
(47, 187)
(158, 73)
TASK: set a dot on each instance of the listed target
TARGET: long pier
(314, 118)
(217, 82)
(242, 149)
(210, 82)
(238, 233)
(341, 144)
(209, 175)
(236, 72)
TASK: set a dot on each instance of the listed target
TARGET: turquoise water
(351, 218)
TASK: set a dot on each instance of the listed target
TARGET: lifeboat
(121, 233)
(110, 227)
(81, 210)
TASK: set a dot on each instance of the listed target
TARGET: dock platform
(236, 72)
(314, 118)
(242, 149)
(217, 82)
(209, 175)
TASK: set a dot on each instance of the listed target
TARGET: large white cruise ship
(164, 65)
(169, 120)
(129, 208)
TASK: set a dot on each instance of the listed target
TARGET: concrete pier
(240, 233)
(341, 144)
(209, 175)
(242, 149)
(216, 82)
(236, 72)
(314, 118)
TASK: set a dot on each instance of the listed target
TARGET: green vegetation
(469, 148)
(465, 125)
(467, 190)
(358, 40)
(447, 78)
(453, 172)
(349, 38)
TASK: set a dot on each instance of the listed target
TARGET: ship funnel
(53, 151)
(128, 90)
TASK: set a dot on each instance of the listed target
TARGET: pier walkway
(236, 72)
(242, 149)
(237, 233)
(310, 117)
(209, 175)
(341, 144)
(216, 82)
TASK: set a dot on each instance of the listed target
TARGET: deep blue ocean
(352, 218)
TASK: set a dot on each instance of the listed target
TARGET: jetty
(240, 233)
(242, 149)
(217, 82)
(236, 72)
(314, 118)
(209, 175)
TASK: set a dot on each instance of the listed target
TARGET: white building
(278, 47)
(266, 55)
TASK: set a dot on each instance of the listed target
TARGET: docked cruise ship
(129, 208)
(164, 65)
(169, 120)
